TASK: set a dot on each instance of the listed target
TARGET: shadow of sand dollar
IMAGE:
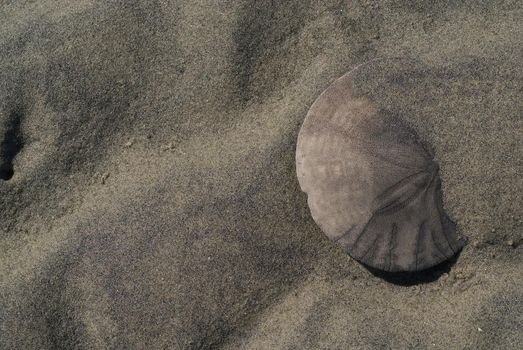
(373, 184)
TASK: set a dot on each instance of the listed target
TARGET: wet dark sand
(148, 190)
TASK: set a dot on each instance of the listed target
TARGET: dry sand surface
(149, 197)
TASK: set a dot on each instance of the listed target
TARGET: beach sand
(149, 197)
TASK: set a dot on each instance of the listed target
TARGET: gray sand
(154, 203)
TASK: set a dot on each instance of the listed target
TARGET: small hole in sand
(11, 144)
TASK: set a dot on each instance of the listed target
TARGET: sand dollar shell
(373, 185)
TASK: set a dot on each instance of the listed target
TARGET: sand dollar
(373, 184)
